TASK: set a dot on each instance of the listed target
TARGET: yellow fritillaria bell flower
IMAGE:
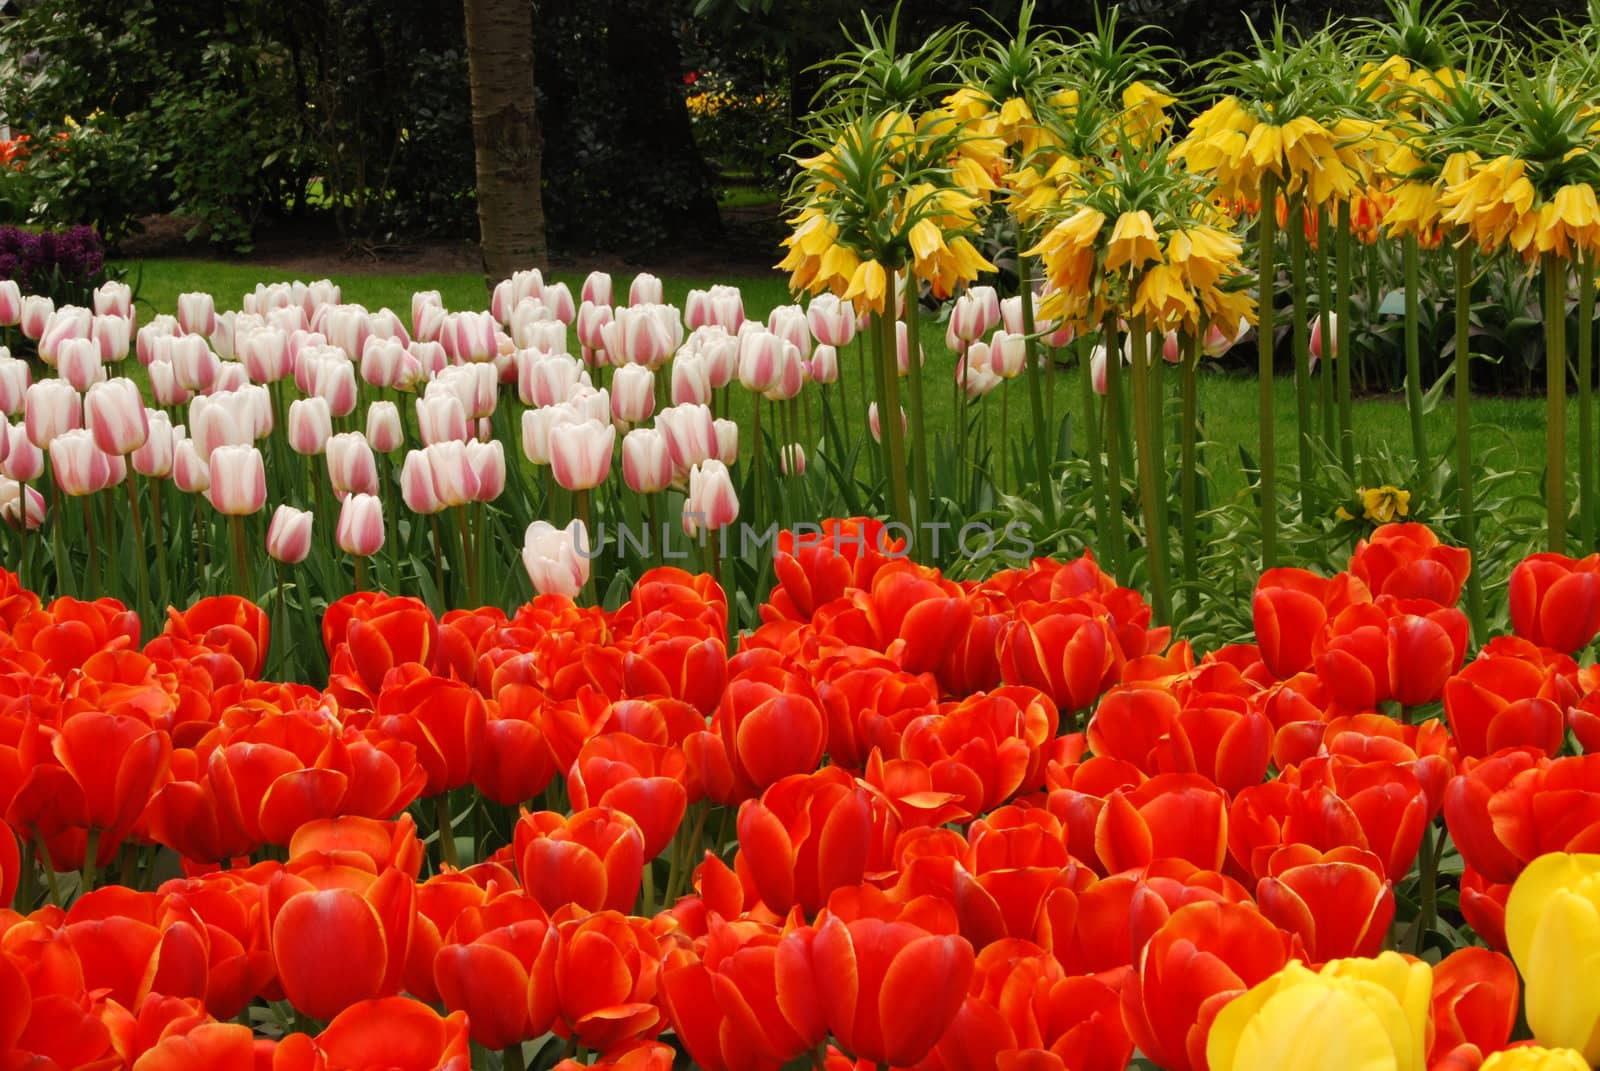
(1203, 254)
(1493, 202)
(1568, 221)
(1144, 113)
(1534, 1058)
(811, 238)
(867, 287)
(1134, 242)
(1230, 143)
(1164, 301)
(1380, 505)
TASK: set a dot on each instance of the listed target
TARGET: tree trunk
(505, 136)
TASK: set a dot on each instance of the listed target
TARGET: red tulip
(512, 763)
(1171, 816)
(441, 718)
(367, 634)
(1555, 601)
(813, 570)
(1509, 696)
(1071, 655)
(1145, 725)
(1336, 902)
(1506, 785)
(206, 1047)
(1290, 609)
(226, 624)
(368, 919)
(499, 968)
(1475, 1001)
(396, 1034)
(1202, 957)
(771, 724)
(1409, 562)
(866, 977)
(68, 632)
(806, 836)
(606, 976)
(594, 860)
(643, 781)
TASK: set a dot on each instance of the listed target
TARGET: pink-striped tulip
(469, 337)
(336, 382)
(633, 394)
(154, 456)
(10, 303)
(537, 425)
(691, 434)
(488, 462)
(195, 366)
(352, 468)
(23, 460)
(875, 427)
(289, 535)
(646, 464)
(441, 419)
(164, 388)
(237, 480)
(113, 298)
(789, 323)
(421, 301)
(35, 316)
(416, 484)
(832, 322)
(645, 289)
(558, 302)
(360, 529)
(591, 326)
(79, 362)
(382, 361)
(454, 479)
(197, 314)
(113, 335)
(12, 499)
(792, 460)
(50, 408)
(310, 426)
(596, 288)
(114, 412)
(761, 359)
(691, 378)
(15, 376)
(67, 322)
(222, 336)
(1008, 354)
(727, 440)
(384, 432)
(580, 454)
(190, 472)
(79, 466)
(825, 364)
(712, 502)
(547, 378)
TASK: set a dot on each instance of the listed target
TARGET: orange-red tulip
(1069, 651)
(1475, 1001)
(368, 634)
(1408, 562)
(1337, 902)
(606, 976)
(1555, 600)
(771, 723)
(1291, 608)
(499, 968)
(443, 719)
(644, 781)
(1203, 956)
(807, 836)
(398, 1035)
(1146, 725)
(813, 570)
(369, 920)
(207, 1047)
(594, 859)
(1170, 816)
(1509, 696)
(225, 624)
(866, 976)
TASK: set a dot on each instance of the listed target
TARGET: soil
(748, 245)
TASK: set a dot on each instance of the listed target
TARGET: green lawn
(1509, 433)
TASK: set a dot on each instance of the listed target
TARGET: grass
(1509, 432)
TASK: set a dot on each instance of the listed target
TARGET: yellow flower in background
(1553, 933)
(1134, 242)
(1144, 113)
(1381, 505)
(868, 286)
(1230, 143)
(1165, 302)
(1534, 1058)
(1352, 1015)
(1492, 202)
(1569, 221)
(1203, 254)
(810, 239)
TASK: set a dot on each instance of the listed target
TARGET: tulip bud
(1170, 351)
(78, 363)
(646, 464)
(10, 303)
(80, 467)
(441, 418)
(1011, 315)
(488, 461)
(416, 484)
(190, 472)
(336, 382)
(792, 460)
(352, 469)
(15, 376)
(360, 529)
(113, 298)
(691, 434)
(1316, 338)
(51, 407)
(193, 363)
(645, 290)
(289, 535)
(15, 498)
(154, 456)
(237, 480)
(875, 427)
(596, 288)
(580, 454)
(633, 393)
(825, 364)
(761, 357)
(1008, 354)
(712, 502)
(197, 314)
(384, 432)
(557, 559)
(23, 460)
(727, 440)
(310, 425)
(35, 316)
(115, 414)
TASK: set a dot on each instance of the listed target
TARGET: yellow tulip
(1553, 931)
(1353, 1015)
(1533, 1058)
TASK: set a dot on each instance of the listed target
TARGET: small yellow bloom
(1381, 505)
(867, 287)
(1553, 932)
(1134, 242)
(1352, 1015)
(1534, 1058)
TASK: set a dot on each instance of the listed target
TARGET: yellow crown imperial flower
(1134, 242)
